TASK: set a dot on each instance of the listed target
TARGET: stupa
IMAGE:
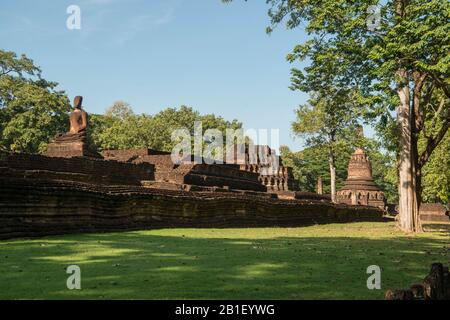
(359, 188)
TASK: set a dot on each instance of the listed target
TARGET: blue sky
(155, 54)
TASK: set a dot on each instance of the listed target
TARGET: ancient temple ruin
(72, 188)
(269, 166)
(432, 215)
(359, 188)
(261, 170)
(188, 176)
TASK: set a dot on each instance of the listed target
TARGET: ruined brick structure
(71, 189)
(359, 188)
(435, 286)
(82, 169)
(265, 162)
(258, 174)
(42, 205)
(42, 195)
(434, 212)
(175, 176)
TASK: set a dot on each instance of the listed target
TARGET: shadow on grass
(148, 265)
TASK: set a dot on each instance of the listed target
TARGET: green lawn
(317, 262)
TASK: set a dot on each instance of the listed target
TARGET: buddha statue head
(77, 102)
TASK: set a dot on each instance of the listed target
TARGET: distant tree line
(121, 128)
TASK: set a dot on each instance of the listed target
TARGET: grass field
(317, 262)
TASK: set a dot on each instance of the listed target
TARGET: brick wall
(220, 175)
(80, 169)
(37, 207)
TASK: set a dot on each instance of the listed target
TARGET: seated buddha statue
(75, 142)
(78, 118)
(78, 123)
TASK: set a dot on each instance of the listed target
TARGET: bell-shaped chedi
(359, 188)
(73, 143)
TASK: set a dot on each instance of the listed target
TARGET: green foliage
(120, 128)
(312, 162)
(31, 110)
(344, 53)
(120, 110)
(343, 50)
(327, 117)
(384, 171)
(436, 174)
(436, 171)
(329, 123)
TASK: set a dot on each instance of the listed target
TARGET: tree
(313, 162)
(120, 110)
(325, 121)
(121, 128)
(436, 173)
(395, 54)
(31, 110)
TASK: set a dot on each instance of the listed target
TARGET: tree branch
(442, 85)
(426, 101)
(433, 142)
(437, 113)
(419, 81)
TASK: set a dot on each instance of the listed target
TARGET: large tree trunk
(408, 197)
(332, 176)
(417, 185)
(417, 123)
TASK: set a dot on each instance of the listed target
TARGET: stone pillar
(319, 185)
(353, 197)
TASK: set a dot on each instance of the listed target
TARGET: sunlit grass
(317, 262)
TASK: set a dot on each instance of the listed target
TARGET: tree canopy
(121, 128)
(328, 121)
(31, 109)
